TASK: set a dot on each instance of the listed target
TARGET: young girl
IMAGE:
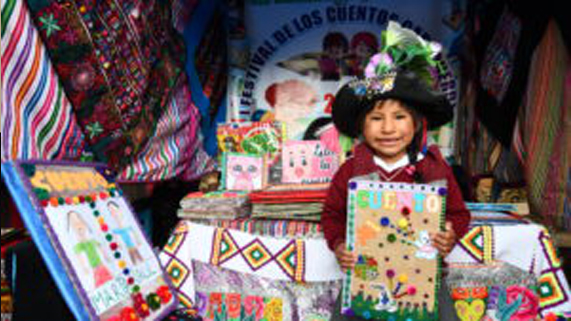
(391, 113)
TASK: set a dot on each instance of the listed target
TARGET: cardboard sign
(397, 271)
(308, 162)
(93, 246)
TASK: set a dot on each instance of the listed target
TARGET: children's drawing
(308, 162)
(125, 232)
(386, 301)
(243, 172)
(88, 250)
(425, 248)
(91, 241)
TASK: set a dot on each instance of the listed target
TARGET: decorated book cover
(307, 162)
(242, 172)
(397, 274)
(256, 138)
(90, 240)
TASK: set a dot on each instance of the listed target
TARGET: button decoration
(154, 301)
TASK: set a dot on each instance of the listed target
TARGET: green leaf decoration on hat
(404, 50)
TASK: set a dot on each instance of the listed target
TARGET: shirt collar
(404, 161)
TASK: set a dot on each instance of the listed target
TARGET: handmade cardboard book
(256, 138)
(242, 172)
(397, 274)
(90, 240)
(308, 162)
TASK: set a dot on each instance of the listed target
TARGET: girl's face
(388, 129)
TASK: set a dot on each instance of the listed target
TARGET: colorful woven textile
(286, 197)
(192, 277)
(288, 259)
(489, 292)
(273, 228)
(37, 119)
(206, 66)
(215, 205)
(122, 67)
(488, 244)
(543, 145)
(314, 301)
(182, 11)
(175, 149)
(222, 306)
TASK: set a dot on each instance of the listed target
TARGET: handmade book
(397, 274)
(308, 162)
(242, 172)
(257, 138)
(90, 240)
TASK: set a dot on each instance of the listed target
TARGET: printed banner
(302, 52)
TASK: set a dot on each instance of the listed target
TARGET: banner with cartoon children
(302, 52)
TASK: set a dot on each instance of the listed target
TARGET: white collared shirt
(396, 165)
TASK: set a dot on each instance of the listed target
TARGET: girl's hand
(444, 241)
(345, 258)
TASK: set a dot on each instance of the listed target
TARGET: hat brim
(349, 107)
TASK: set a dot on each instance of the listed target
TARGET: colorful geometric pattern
(224, 247)
(479, 243)
(551, 291)
(177, 271)
(498, 64)
(184, 300)
(549, 250)
(291, 258)
(256, 254)
(174, 243)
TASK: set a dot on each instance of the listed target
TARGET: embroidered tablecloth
(526, 246)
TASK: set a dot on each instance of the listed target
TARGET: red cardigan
(432, 168)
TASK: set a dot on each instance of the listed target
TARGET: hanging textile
(175, 149)
(121, 66)
(37, 118)
(542, 145)
(505, 37)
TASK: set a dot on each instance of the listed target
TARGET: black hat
(352, 101)
(406, 69)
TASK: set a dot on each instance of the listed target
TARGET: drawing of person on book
(126, 233)
(88, 250)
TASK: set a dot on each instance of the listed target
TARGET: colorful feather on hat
(404, 50)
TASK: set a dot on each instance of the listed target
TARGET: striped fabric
(542, 138)
(175, 150)
(273, 228)
(37, 119)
